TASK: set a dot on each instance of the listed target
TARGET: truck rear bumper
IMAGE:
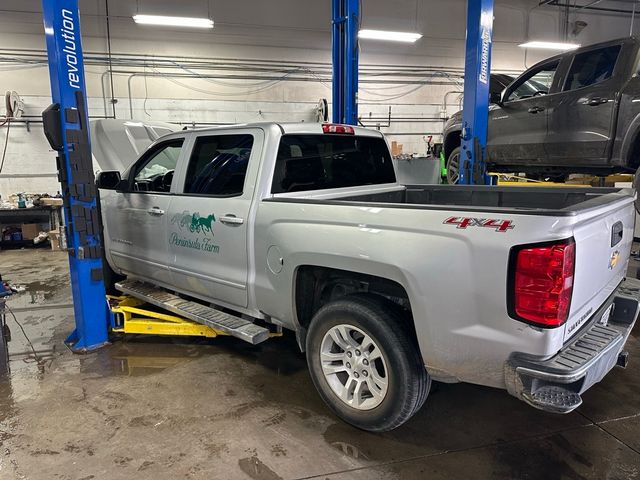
(556, 384)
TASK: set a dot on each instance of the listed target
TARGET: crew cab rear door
(581, 117)
(208, 222)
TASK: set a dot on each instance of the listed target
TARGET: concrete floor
(160, 408)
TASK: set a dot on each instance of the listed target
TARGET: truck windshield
(316, 162)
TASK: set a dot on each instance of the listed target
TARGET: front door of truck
(208, 223)
(137, 219)
(581, 118)
(518, 126)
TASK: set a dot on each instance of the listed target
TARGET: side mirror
(496, 98)
(110, 180)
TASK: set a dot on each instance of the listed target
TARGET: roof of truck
(288, 127)
(585, 48)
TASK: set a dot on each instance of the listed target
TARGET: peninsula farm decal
(194, 232)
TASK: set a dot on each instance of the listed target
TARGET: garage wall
(263, 61)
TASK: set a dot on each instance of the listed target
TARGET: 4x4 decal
(497, 224)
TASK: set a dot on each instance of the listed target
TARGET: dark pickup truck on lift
(578, 112)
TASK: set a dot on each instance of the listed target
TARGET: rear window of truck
(317, 162)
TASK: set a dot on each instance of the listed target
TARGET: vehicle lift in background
(475, 115)
(475, 106)
(345, 24)
(66, 126)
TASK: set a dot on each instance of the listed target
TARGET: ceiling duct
(623, 7)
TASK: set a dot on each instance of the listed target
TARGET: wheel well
(315, 286)
(451, 142)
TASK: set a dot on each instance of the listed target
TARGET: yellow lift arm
(132, 317)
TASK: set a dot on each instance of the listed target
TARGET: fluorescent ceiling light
(173, 21)
(390, 36)
(550, 45)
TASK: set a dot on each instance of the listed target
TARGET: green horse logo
(202, 224)
(194, 222)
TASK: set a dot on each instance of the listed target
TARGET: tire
(395, 360)
(453, 166)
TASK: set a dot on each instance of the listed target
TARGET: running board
(232, 325)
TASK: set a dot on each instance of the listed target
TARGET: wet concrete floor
(162, 408)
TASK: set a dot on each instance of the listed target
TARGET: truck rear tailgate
(603, 237)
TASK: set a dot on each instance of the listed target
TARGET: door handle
(230, 219)
(155, 211)
(535, 110)
(595, 101)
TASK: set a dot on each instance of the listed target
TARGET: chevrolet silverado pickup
(386, 286)
(577, 112)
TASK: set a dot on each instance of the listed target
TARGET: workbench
(51, 214)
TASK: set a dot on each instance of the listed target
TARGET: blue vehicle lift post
(66, 125)
(344, 39)
(475, 107)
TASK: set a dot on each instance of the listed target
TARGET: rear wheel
(453, 166)
(364, 363)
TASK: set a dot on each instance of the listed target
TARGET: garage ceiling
(277, 23)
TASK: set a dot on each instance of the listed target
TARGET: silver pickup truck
(386, 286)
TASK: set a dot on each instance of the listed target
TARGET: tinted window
(154, 173)
(592, 67)
(218, 165)
(313, 162)
(535, 83)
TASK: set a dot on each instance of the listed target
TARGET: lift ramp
(217, 320)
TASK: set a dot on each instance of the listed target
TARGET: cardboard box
(57, 202)
(30, 230)
(396, 149)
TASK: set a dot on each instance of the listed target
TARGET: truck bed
(402, 231)
(560, 201)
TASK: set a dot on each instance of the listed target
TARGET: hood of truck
(116, 144)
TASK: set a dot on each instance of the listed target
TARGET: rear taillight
(542, 282)
(335, 128)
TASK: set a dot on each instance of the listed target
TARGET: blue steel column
(345, 58)
(475, 108)
(337, 60)
(351, 62)
(68, 90)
